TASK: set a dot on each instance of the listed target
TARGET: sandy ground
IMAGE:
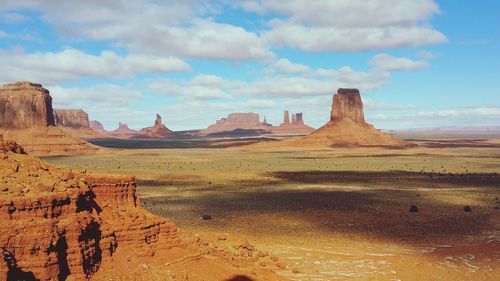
(337, 214)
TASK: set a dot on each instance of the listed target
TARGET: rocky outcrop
(96, 125)
(123, 131)
(26, 116)
(158, 131)
(234, 121)
(347, 127)
(347, 104)
(57, 224)
(296, 127)
(72, 118)
(25, 105)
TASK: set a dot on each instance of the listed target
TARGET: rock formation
(296, 127)
(96, 125)
(62, 225)
(158, 131)
(72, 118)
(123, 131)
(248, 121)
(347, 104)
(347, 127)
(286, 117)
(26, 115)
(25, 105)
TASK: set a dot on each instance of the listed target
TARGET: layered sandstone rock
(296, 127)
(25, 105)
(238, 121)
(57, 224)
(96, 125)
(72, 118)
(347, 104)
(158, 131)
(123, 131)
(26, 115)
(347, 127)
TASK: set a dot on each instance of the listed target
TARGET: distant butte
(347, 127)
(158, 131)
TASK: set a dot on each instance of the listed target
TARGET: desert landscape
(249, 141)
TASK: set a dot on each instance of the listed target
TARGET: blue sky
(418, 63)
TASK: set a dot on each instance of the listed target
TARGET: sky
(417, 63)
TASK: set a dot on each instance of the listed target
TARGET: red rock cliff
(25, 105)
(55, 223)
(96, 125)
(73, 118)
(347, 104)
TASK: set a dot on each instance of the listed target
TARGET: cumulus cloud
(164, 28)
(390, 63)
(101, 95)
(349, 25)
(71, 64)
(286, 66)
(13, 17)
(321, 39)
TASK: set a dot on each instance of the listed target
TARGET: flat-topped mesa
(24, 105)
(72, 118)
(347, 104)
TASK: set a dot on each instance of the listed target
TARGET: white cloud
(4, 34)
(351, 13)
(320, 39)
(13, 17)
(70, 64)
(163, 28)
(390, 63)
(102, 96)
(286, 66)
(348, 25)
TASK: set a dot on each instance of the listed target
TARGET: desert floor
(337, 214)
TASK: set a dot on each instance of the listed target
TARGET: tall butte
(347, 126)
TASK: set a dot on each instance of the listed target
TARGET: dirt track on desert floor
(340, 214)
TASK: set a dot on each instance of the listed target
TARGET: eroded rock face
(25, 105)
(245, 121)
(96, 125)
(55, 223)
(72, 118)
(347, 104)
(158, 131)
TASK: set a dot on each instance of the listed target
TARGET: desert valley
(345, 201)
(249, 140)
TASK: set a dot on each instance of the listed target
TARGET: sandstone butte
(123, 131)
(96, 125)
(158, 131)
(73, 118)
(251, 121)
(26, 115)
(347, 127)
(295, 127)
(57, 224)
